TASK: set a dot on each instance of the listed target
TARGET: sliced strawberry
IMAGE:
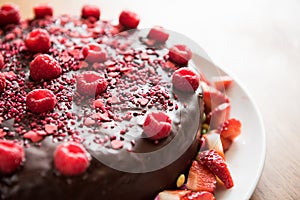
(204, 79)
(226, 143)
(218, 116)
(173, 194)
(185, 195)
(217, 165)
(213, 141)
(200, 196)
(213, 97)
(231, 129)
(222, 82)
(200, 178)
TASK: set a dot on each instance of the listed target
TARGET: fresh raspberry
(180, 54)
(44, 67)
(129, 19)
(185, 80)
(40, 101)
(90, 11)
(1, 61)
(94, 53)
(2, 82)
(71, 159)
(9, 14)
(158, 33)
(43, 10)
(11, 156)
(217, 165)
(157, 125)
(91, 83)
(38, 41)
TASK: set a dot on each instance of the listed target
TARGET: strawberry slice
(184, 195)
(222, 82)
(200, 178)
(226, 143)
(231, 129)
(213, 141)
(213, 97)
(217, 165)
(218, 116)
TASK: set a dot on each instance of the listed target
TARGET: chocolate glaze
(37, 178)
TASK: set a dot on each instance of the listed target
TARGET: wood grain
(258, 42)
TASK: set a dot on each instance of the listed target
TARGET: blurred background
(256, 41)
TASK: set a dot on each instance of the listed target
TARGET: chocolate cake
(135, 75)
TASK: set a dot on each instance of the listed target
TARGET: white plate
(247, 154)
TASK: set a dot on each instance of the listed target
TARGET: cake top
(110, 88)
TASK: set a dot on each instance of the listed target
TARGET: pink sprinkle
(117, 144)
(50, 128)
(98, 104)
(143, 101)
(89, 121)
(2, 133)
(33, 136)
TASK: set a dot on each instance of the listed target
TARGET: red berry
(185, 195)
(129, 19)
(44, 67)
(90, 11)
(9, 14)
(222, 82)
(200, 178)
(40, 101)
(180, 54)
(11, 156)
(231, 129)
(71, 159)
(217, 165)
(94, 53)
(2, 82)
(213, 97)
(1, 61)
(218, 116)
(157, 125)
(91, 83)
(43, 10)
(158, 33)
(38, 41)
(185, 80)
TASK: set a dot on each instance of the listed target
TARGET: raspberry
(9, 14)
(180, 54)
(42, 10)
(90, 11)
(159, 34)
(38, 41)
(94, 53)
(185, 80)
(1, 61)
(71, 159)
(11, 156)
(40, 101)
(2, 82)
(157, 125)
(44, 67)
(129, 19)
(91, 83)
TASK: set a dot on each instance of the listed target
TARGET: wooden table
(258, 42)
